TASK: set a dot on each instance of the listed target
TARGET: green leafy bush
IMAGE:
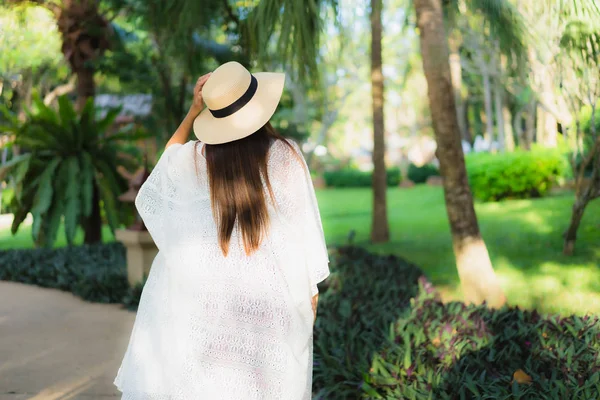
(517, 175)
(363, 296)
(93, 272)
(68, 169)
(350, 177)
(455, 351)
(421, 174)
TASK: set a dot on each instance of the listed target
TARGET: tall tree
(380, 231)
(479, 282)
(85, 36)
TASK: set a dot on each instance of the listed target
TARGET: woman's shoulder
(285, 146)
(285, 157)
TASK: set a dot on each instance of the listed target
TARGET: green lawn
(523, 237)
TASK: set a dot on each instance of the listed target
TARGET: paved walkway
(54, 346)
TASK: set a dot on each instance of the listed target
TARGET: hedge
(364, 294)
(421, 174)
(455, 351)
(350, 177)
(93, 272)
(516, 175)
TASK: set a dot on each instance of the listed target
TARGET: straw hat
(238, 103)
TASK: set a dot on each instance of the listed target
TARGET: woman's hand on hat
(198, 102)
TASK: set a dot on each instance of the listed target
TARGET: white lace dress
(214, 327)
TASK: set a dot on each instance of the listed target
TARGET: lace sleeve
(156, 195)
(297, 203)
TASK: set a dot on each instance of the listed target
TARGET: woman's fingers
(202, 80)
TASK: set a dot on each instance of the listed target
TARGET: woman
(228, 308)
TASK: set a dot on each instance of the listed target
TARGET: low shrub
(516, 175)
(93, 272)
(350, 177)
(421, 174)
(132, 299)
(455, 351)
(363, 296)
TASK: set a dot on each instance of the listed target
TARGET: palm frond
(67, 155)
(87, 184)
(21, 207)
(108, 197)
(128, 136)
(72, 205)
(103, 124)
(66, 110)
(43, 195)
(9, 115)
(11, 165)
(52, 222)
(42, 111)
(506, 24)
(299, 25)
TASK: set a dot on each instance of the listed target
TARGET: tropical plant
(454, 351)
(67, 168)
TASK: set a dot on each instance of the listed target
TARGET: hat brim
(246, 120)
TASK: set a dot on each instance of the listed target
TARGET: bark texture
(380, 230)
(479, 282)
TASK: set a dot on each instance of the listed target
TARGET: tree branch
(60, 90)
(230, 12)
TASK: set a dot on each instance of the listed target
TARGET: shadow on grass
(524, 238)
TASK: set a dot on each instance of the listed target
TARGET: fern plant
(67, 170)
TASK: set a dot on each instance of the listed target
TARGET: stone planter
(141, 251)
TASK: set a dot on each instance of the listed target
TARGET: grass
(524, 238)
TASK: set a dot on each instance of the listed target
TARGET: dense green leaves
(515, 175)
(422, 173)
(351, 177)
(363, 296)
(67, 155)
(473, 352)
(94, 272)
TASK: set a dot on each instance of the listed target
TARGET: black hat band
(239, 103)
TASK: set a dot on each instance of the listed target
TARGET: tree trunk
(93, 225)
(487, 101)
(456, 71)
(529, 135)
(479, 282)
(547, 127)
(518, 127)
(499, 103)
(380, 230)
(510, 139)
(576, 216)
(85, 86)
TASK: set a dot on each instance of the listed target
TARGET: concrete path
(54, 346)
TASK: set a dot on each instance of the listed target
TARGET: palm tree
(380, 229)
(478, 279)
(85, 36)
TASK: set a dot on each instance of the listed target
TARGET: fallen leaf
(521, 377)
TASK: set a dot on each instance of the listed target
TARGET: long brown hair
(236, 172)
